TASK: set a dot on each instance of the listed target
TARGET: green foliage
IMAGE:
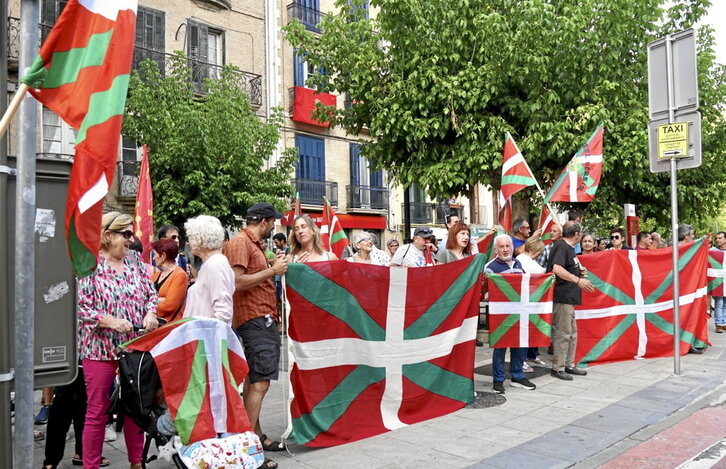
(437, 83)
(207, 155)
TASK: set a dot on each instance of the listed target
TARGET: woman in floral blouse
(114, 298)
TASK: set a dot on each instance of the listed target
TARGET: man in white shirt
(418, 252)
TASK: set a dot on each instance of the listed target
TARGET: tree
(437, 83)
(207, 154)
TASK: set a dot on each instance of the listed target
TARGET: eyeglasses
(128, 234)
(615, 237)
(366, 240)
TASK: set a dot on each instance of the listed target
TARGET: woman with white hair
(364, 247)
(211, 294)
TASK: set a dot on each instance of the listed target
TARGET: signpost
(674, 132)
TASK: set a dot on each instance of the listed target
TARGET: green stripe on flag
(610, 290)
(518, 180)
(440, 381)
(337, 236)
(84, 261)
(505, 287)
(556, 186)
(104, 105)
(543, 326)
(682, 262)
(542, 289)
(714, 263)
(429, 321)
(713, 284)
(667, 327)
(308, 426)
(498, 333)
(65, 66)
(610, 338)
(193, 399)
(325, 294)
(225, 362)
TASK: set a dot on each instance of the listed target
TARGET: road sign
(684, 74)
(680, 140)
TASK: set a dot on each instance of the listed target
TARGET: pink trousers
(99, 382)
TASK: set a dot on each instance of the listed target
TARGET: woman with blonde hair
(211, 294)
(305, 242)
(117, 296)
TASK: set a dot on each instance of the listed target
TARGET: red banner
(304, 104)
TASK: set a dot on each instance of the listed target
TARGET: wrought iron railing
(312, 192)
(421, 212)
(13, 38)
(367, 197)
(56, 156)
(309, 17)
(127, 176)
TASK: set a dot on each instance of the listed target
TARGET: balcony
(312, 192)
(367, 198)
(127, 175)
(309, 17)
(421, 212)
(251, 83)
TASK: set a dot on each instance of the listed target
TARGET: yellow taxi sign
(673, 140)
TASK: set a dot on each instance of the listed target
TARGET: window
(205, 46)
(130, 156)
(49, 12)
(365, 184)
(310, 170)
(308, 12)
(302, 70)
(58, 137)
(150, 42)
(353, 9)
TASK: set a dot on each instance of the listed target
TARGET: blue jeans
(516, 360)
(719, 311)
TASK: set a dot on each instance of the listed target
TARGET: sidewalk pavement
(583, 423)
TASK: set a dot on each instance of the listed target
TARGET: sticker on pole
(673, 140)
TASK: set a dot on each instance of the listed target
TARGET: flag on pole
(297, 211)
(331, 231)
(144, 210)
(82, 74)
(630, 313)
(545, 224)
(581, 178)
(374, 359)
(200, 363)
(516, 176)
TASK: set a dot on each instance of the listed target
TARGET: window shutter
(354, 164)
(298, 70)
(197, 40)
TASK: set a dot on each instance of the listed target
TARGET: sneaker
(719, 329)
(42, 417)
(498, 387)
(561, 375)
(526, 368)
(573, 370)
(110, 434)
(523, 383)
(38, 435)
(539, 361)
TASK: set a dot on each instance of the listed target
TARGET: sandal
(268, 464)
(78, 461)
(274, 446)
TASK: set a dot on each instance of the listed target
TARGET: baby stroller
(180, 362)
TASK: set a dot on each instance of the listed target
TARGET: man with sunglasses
(418, 252)
(617, 239)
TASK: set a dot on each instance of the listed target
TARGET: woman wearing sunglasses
(117, 296)
(365, 251)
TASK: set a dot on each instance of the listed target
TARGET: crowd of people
(237, 281)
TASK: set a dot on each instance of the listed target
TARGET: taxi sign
(673, 140)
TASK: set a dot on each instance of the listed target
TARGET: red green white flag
(630, 315)
(716, 272)
(516, 176)
(367, 360)
(545, 224)
(331, 231)
(144, 210)
(200, 363)
(82, 74)
(581, 178)
(520, 310)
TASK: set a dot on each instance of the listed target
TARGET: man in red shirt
(255, 309)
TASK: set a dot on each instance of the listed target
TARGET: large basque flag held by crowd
(376, 348)
(82, 74)
(630, 315)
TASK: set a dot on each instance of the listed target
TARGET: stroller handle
(142, 329)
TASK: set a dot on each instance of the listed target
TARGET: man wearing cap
(418, 252)
(255, 309)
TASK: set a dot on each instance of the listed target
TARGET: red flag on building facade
(82, 74)
(516, 176)
(331, 231)
(581, 178)
(144, 210)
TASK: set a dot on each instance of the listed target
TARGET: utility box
(56, 355)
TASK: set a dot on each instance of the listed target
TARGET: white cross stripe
(624, 310)
(637, 279)
(716, 273)
(583, 159)
(572, 177)
(524, 310)
(524, 319)
(512, 161)
(95, 193)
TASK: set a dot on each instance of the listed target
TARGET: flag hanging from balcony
(144, 210)
(331, 231)
(516, 176)
(82, 74)
(305, 102)
(581, 178)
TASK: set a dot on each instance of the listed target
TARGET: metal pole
(674, 217)
(6, 442)
(25, 247)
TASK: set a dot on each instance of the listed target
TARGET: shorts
(261, 342)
